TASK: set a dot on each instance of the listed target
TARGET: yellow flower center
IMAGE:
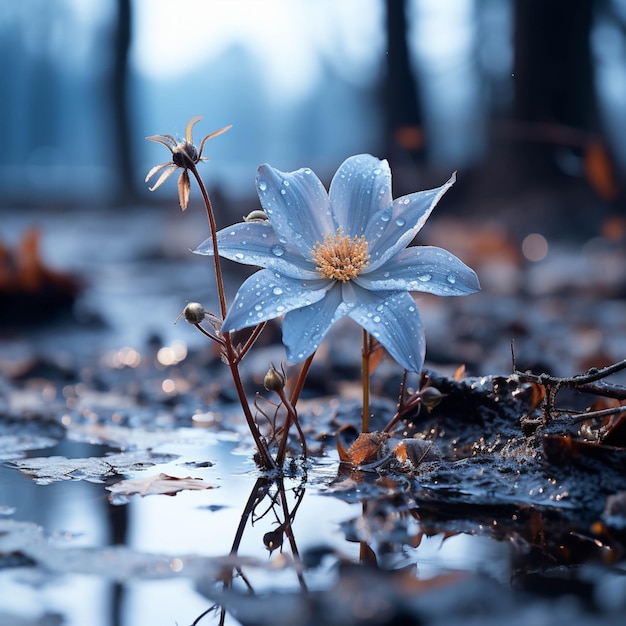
(340, 258)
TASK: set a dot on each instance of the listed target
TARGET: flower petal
(155, 169)
(164, 176)
(267, 294)
(304, 328)
(215, 133)
(392, 318)
(360, 188)
(297, 205)
(422, 268)
(167, 140)
(395, 226)
(184, 189)
(256, 243)
(189, 128)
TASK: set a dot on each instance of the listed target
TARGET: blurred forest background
(526, 98)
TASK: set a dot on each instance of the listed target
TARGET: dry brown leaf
(375, 356)
(538, 395)
(159, 484)
(344, 457)
(367, 448)
(459, 372)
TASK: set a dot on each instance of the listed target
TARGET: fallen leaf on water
(159, 484)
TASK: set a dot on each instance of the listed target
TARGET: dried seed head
(185, 155)
(256, 216)
(274, 380)
(194, 312)
(431, 397)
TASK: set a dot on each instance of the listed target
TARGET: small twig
(415, 401)
(513, 363)
(616, 410)
(206, 333)
(580, 382)
(576, 381)
(250, 342)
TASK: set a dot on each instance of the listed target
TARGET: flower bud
(194, 312)
(274, 380)
(431, 397)
(256, 216)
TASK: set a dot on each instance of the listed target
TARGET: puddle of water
(77, 514)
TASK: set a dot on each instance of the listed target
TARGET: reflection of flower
(184, 156)
(328, 255)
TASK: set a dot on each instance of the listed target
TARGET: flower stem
(266, 460)
(213, 227)
(292, 417)
(304, 370)
(365, 369)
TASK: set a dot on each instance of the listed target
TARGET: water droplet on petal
(239, 256)
(257, 307)
(277, 291)
(386, 216)
(386, 274)
(262, 185)
(277, 250)
(283, 192)
(424, 277)
(280, 307)
(377, 318)
(400, 221)
(451, 279)
(286, 183)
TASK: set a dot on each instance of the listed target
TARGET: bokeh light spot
(535, 247)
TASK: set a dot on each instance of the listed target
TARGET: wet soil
(514, 516)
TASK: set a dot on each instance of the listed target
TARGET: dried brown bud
(274, 380)
(256, 216)
(418, 451)
(431, 397)
(194, 313)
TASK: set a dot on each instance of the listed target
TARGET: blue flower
(328, 255)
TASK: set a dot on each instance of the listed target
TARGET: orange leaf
(375, 356)
(367, 447)
(459, 372)
(599, 170)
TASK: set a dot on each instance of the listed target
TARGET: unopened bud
(431, 397)
(194, 313)
(256, 216)
(274, 380)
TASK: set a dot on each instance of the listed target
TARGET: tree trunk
(554, 82)
(402, 107)
(120, 105)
